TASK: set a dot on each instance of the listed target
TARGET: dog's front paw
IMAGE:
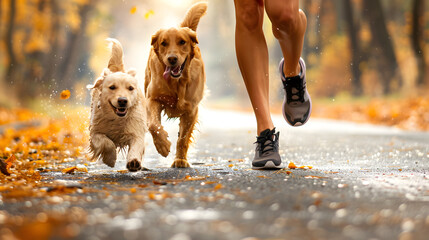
(180, 163)
(109, 156)
(161, 143)
(134, 165)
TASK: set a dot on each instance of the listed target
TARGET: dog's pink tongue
(167, 73)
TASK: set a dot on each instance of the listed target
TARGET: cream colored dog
(175, 82)
(118, 114)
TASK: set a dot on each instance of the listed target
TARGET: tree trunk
(65, 78)
(52, 59)
(352, 31)
(12, 63)
(387, 65)
(417, 39)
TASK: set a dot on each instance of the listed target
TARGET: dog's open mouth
(120, 111)
(175, 72)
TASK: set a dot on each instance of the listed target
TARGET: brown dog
(118, 114)
(175, 82)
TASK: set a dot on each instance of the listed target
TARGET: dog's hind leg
(186, 127)
(135, 155)
(159, 135)
(103, 147)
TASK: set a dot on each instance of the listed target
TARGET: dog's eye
(113, 87)
(130, 88)
(182, 42)
(164, 43)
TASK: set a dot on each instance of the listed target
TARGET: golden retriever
(175, 82)
(118, 113)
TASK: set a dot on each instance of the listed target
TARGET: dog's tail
(193, 15)
(116, 62)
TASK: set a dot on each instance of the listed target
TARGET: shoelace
(299, 86)
(266, 143)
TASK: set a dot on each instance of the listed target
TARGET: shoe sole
(297, 124)
(268, 165)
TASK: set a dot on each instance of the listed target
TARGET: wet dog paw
(109, 157)
(134, 165)
(180, 163)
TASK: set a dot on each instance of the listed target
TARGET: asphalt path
(359, 182)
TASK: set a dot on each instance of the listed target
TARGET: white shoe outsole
(268, 165)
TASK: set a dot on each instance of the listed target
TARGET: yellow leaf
(133, 10)
(148, 14)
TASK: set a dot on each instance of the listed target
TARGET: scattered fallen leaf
(317, 202)
(236, 160)
(262, 177)
(65, 94)
(159, 183)
(311, 176)
(133, 10)
(292, 165)
(189, 178)
(218, 186)
(209, 182)
(231, 165)
(71, 170)
(133, 190)
(4, 168)
(63, 189)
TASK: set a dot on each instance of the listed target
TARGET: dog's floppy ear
(100, 80)
(192, 35)
(154, 41)
(132, 72)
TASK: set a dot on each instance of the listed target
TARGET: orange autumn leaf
(262, 177)
(9, 161)
(231, 165)
(69, 170)
(209, 182)
(189, 178)
(133, 10)
(3, 168)
(65, 94)
(292, 165)
(133, 190)
(218, 186)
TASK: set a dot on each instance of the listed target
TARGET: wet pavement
(359, 182)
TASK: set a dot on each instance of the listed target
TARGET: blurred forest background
(356, 50)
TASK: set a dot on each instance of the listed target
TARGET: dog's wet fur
(118, 113)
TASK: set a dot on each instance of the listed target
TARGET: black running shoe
(267, 151)
(297, 101)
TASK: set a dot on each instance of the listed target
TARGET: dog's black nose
(122, 102)
(172, 59)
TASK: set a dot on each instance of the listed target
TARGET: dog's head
(175, 48)
(118, 89)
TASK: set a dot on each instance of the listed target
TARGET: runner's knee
(248, 17)
(284, 18)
